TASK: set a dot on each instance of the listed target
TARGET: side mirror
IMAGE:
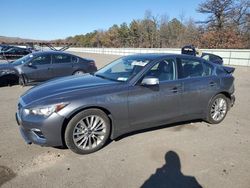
(30, 64)
(150, 81)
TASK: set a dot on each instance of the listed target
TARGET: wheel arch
(79, 69)
(24, 78)
(225, 93)
(67, 119)
(10, 79)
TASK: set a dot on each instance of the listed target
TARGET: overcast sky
(51, 19)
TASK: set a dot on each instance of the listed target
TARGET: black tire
(210, 118)
(21, 81)
(75, 121)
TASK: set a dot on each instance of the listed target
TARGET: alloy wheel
(218, 109)
(89, 132)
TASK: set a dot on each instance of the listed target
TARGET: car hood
(60, 88)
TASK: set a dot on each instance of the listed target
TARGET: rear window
(214, 58)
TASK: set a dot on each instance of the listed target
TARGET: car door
(151, 106)
(199, 85)
(39, 68)
(61, 65)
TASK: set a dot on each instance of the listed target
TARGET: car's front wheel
(21, 81)
(87, 131)
(217, 109)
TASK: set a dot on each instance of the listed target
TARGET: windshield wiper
(104, 77)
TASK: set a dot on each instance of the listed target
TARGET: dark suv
(42, 66)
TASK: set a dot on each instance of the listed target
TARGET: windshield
(23, 60)
(122, 69)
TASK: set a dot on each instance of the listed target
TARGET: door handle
(175, 90)
(212, 84)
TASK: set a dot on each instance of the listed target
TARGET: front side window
(189, 68)
(61, 58)
(123, 69)
(41, 60)
(164, 70)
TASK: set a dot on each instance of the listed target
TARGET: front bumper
(40, 130)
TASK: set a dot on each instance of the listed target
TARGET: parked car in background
(132, 93)
(42, 66)
(213, 58)
(10, 53)
(4, 47)
(191, 50)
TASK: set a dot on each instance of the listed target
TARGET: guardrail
(230, 56)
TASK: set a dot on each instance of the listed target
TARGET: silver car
(132, 93)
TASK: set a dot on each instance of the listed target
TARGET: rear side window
(61, 58)
(189, 68)
(208, 69)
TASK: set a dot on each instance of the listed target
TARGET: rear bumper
(232, 100)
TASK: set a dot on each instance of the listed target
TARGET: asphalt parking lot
(197, 152)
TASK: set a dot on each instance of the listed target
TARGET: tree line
(227, 26)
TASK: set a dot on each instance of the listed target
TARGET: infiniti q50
(132, 93)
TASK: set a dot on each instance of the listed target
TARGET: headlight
(46, 110)
(7, 71)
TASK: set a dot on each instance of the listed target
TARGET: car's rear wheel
(78, 72)
(87, 131)
(217, 109)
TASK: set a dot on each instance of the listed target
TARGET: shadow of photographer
(170, 175)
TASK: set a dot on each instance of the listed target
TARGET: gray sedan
(42, 66)
(132, 93)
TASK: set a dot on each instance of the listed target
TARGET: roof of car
(49, 52)
(156, 56)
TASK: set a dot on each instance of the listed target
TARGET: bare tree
(240, 14)
(219, 12)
